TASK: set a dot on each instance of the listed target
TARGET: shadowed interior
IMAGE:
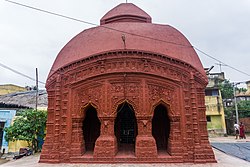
(125, 127)
(161, 127)
(91, 128)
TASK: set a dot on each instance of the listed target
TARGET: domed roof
(125, 12)
(139, 35)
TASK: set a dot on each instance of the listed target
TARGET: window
(214, 92)
(208, 118)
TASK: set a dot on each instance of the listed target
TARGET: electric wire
(19, 73)
(93, 24)
(145, 37)
(220, 61)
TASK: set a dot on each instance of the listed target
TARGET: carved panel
(166, 93)
(86, 95)
(124, 91)
(141, 79)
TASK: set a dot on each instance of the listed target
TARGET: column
(145, 145)
(175, 141)
(106, 143)
(77, 139)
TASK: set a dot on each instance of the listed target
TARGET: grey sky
(30, 39)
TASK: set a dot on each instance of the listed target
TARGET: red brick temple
(127, 91)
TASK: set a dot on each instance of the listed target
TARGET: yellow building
(16, 145)
(10, 88)
(214, 106)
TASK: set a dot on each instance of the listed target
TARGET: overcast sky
(30, 39)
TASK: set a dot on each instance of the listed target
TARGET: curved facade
(127, 91)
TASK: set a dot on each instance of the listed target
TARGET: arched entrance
(91, 128)
(161, 127)
(125, 128)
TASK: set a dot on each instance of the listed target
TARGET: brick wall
(246, 122)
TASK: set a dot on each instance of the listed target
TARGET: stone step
(165, 159)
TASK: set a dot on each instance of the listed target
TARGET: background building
(214, 105)
(6, 116)
(10, 88)
(11, 104)
(243, 97)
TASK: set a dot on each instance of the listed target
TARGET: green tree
(28, 126)
(226, 89)
(244, 108)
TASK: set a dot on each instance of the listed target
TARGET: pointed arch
(123, 101)
(167, 105)
(85, 107)
(161, 125)
(125, 127)
(90, 127)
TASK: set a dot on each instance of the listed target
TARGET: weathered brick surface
(100, 71)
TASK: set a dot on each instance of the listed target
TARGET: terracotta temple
(127, 91)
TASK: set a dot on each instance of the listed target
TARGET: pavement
(239, 148)
(224, 159)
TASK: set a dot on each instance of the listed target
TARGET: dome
(125, 12)
(132, 22)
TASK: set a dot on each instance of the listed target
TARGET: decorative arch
(86, 106)
(125, 127)
(166, 104)
(161, 126)
(118, 103)
(91, 126)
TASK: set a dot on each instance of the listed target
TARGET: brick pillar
(48, 144)
(106, 143)
(77, 140)
(202, 150)
(175, 142)
(145, 145)
(197, 152)
(52, 148)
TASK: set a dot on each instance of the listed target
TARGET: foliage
(240, 90)
(226, 89)
(28, 126)
(229, 111)
(243, 109)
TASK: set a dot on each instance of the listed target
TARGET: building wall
(9, 88)
(246, 122)
(215, 123)
(6, 116)
(215, 111)
(15, 146)
(144, 86)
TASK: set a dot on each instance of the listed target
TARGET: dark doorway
(1, 133)
(91, 128)
(161, 127)
(125, 127)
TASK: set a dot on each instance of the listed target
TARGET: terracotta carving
(133, 95)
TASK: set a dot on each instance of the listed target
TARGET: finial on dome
(126, 12)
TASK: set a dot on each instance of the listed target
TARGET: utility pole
(235, 103)
(36, 88)
(220, 64)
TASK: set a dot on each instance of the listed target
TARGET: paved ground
(223, 159)
(239, 148)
